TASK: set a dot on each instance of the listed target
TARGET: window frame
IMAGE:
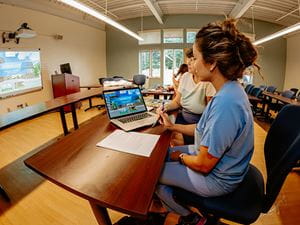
(140, 33)
(190, 30)
(172, 29)
(150, 63)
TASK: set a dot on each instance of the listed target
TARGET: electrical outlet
(8, 110)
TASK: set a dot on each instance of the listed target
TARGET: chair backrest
(271, 89)
(256, 92)
(118, 76)
(248, 88)
(262, 87)
(295, 90)
(288, 94)
(103, 79)
(139, 79)
(281, 150)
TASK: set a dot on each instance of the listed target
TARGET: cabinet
(65, 84)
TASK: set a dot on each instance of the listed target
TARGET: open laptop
(126, 108)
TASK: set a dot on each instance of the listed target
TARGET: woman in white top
(177, 77)
(191, 97)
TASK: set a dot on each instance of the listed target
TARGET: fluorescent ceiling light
(100, 16)
(280, 33)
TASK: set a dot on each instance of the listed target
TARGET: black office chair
(295, 90)
(271, 89)
(249, 88)
(263, 87)
(139, 80)
(256, 92)
(245, 204)
(277, 106)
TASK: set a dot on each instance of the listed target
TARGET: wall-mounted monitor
(66, 68)
(20, 72)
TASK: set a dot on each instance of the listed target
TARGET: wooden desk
(281, 98)
(253, 98)
(157, 93)
(30, 112)
(277, 97)
(90, 99)
(106, 178)
(91, 86)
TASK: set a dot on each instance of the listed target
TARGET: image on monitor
(124, 102)
(65, 68)
(20, 72)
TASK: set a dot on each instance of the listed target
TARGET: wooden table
(277, 97)
(89, 87)
(157, 93)
(106, 178)
(281, 98)
(30, 112)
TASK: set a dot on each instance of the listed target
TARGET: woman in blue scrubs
(218, 161)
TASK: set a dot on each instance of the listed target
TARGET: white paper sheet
(130, 142)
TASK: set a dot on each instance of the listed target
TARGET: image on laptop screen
(124, 102)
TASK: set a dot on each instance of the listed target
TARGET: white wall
(292, 72)
(82, 46)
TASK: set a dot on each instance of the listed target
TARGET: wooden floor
(36, 201)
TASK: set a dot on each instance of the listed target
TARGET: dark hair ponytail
(222, 43)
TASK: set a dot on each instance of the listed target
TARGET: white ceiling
(266, 10)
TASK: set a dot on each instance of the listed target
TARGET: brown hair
(189, 53)
(223, 44)
(182, 69)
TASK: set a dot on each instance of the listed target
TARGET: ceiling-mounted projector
(23, 32)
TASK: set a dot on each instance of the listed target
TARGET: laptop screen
(124, 102)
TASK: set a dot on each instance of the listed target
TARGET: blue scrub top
(226, 128)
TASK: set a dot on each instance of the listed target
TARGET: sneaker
(192, 219)
(156, 219)
(128, 220)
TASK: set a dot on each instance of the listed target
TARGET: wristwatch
(180, 159)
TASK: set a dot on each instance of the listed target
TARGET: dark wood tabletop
(253, 98)
(91, 86)
(32, 111)
(107, 178)
(281, 98)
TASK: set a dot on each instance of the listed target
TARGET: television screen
(65, 68)
(20, 72)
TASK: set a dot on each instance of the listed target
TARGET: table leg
(4, 194)
(90, 105)
(101, 214)
(74, 116)
(63, 120)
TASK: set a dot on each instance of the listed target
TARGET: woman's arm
(203, 162)
(174, 104)
(184, 129)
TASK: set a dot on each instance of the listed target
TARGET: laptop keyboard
(136, 117)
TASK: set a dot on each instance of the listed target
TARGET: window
(173, 58)
(190, 35)
(149, 63)
(173, 35)
(150, 37)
